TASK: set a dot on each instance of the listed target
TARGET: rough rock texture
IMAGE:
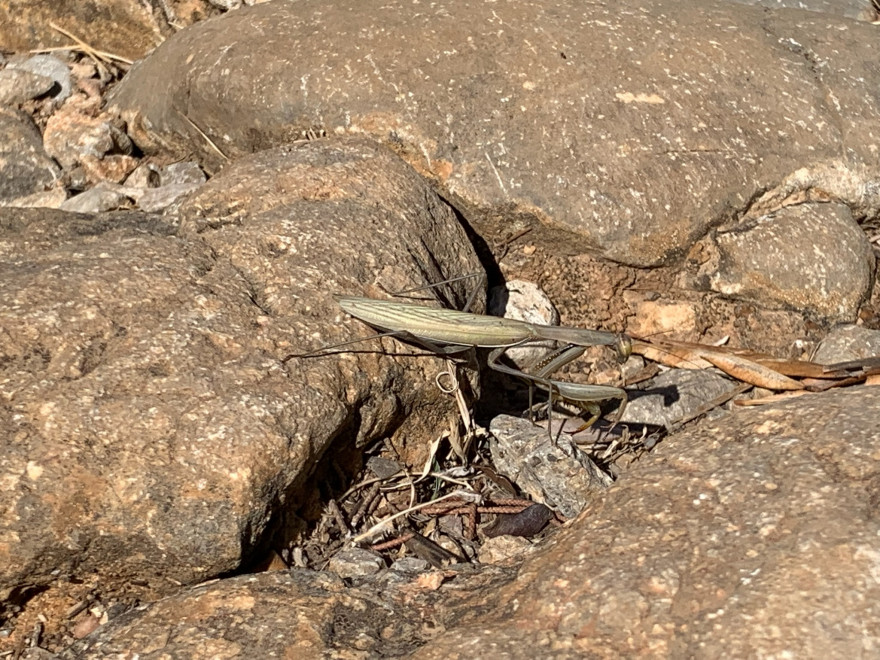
(810, 257)
(310, 221)
(675, 394)
(152, 431)
(25, 168)
(859, 9)
(122, 27)
(848, 342)
(524, 301)
(51, 67)
(17, 85)
(78, 135)
(557, 474)
(632, 126)
(755, 536)
(103, 197)
(291, 615)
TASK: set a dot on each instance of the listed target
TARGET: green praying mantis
(446, 332)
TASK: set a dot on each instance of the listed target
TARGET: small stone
(93, 88)
(114, 168)
(355, 562)
(673, 395)
(157, 199)
(182, 173)
(501, 548)
(145, 175)
(384, 468)
(84, 69)
(85, 626)
(410, 565)
(527, 523)
(431, 581)
(72, 136)
(848, 342)
(50, 67)
(559, 475)
(103, 197)
(524, 301)
(19, 85)
(656, 317)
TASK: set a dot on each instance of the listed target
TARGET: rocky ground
(175, 484)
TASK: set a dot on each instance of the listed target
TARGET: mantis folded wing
(465, 329)
(444, 326)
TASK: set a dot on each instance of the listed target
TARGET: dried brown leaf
(799, 368)
(680, 357)
(751, 372)
(739, 364)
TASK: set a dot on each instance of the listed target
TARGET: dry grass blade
(690, 355)
(205, 137)
(747, 366)
(85, 48)
(800, 368)
(382, 525)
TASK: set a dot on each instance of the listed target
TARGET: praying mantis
(445, 332)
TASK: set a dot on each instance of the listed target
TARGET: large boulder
(151, 431)
(630, 128)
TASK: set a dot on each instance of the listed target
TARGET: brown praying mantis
(446, 332)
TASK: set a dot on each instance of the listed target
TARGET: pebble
(355, 562)
(559, 475)
(103, 197)
(153, 200)
(73, 135)
(848, 342)
(182, 173)
(50, 67)
(20, 85)
(145, 175)
(673, 395)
